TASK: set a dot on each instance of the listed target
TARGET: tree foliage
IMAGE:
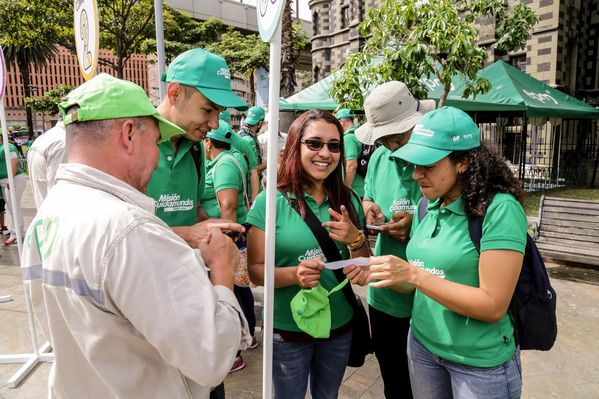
(408, 39)
(243, 53)
(182, 33)
(48, 103)
(30, 31)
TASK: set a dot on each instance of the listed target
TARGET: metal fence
(557, 152)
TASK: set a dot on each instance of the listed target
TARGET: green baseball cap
(225, 115)
(255, 115)
(311, 310)
(208, 73)
(106, 97)
(437, 134)
(344, 113)
(223, 133)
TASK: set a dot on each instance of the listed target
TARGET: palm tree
(287, 57)
(29, 33)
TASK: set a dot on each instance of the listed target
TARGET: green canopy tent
(512, 92)
(316, 96)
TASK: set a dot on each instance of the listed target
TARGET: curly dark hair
(487, 174)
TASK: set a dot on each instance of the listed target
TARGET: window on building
(345, 16)
(519, 61)
(316, 74)
(315, 26)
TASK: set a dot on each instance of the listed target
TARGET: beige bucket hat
(391, 109)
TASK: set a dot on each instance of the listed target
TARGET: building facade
(563, 50)
(62, 69)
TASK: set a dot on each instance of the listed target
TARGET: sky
(304, 10)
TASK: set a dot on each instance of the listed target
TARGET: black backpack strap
(475, 225)
(328, 246)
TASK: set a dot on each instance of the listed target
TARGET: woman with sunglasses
(461, 342)
(311, 177)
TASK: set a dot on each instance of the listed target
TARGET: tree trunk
(444, 94)
(24, 70)
(287, 68)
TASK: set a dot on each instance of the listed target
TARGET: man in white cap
(390, 197)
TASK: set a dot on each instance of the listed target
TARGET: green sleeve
(368, 180)
(227, 175)
(352, 147)
(359, 210)
(252, 144)
(244, 147)
(504, 225)
(257, 215)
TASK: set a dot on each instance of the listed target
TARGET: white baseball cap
(391, 109)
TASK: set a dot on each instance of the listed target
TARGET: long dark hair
(291, 177)
(487, 174)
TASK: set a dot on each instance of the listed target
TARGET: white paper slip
(340, 264)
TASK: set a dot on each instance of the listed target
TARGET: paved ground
(569, 370)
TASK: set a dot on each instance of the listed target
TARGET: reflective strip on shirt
(61, 279)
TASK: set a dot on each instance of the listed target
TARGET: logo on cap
(224, 72)
(456, 138)
(420, 129)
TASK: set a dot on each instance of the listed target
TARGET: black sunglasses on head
(316, 145)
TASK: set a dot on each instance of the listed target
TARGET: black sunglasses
(316, 145)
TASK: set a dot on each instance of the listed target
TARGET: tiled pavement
(569, 370)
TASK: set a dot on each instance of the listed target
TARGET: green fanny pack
(311, 310)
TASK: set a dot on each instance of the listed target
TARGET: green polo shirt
(252, 143)
(13, 154)
(353, 149)
(294, 244)
(389, 184)
(441, 245)
(223, 173)
(175, 185)
(244, 147)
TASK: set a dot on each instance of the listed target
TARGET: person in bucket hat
(98, 264)
(390, 196)
(461, 329)
(198, 89)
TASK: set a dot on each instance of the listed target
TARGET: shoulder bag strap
(328, 246)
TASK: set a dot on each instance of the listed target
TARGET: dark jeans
(322, 364)
(218, 392)
(246, 301)
(389, 334)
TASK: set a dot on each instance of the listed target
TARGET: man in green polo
(199, 87)
(353, 149)
(249, 131)
(390, 197)
(245, 148)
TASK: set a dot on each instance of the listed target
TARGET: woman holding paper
(310, 182)
(461, 342)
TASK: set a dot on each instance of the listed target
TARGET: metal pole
(160, 46)
(522, 169)
(271, 186)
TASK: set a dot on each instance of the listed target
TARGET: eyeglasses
(316, 145)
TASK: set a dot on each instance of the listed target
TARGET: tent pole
(522, 168)
(596, 160)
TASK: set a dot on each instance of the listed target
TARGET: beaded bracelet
(358, 243)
